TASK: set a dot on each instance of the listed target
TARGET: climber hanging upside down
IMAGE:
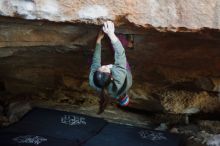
(112, 80)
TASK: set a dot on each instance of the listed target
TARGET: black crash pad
(19, 139)
(122, 135)
(46, 127)
(57, 124)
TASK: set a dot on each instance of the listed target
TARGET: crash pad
(46, 127)
(123, 135)
(57, 124)
(24, 139)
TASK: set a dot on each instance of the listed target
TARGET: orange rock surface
(171, 15)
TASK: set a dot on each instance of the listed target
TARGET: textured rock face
(169, 15)
(173, 72)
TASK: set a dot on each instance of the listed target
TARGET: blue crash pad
(24, 139)
(45, 127)
(58, 124)
(122, 135)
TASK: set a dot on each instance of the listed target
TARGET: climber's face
(104, 68)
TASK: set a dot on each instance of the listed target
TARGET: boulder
(171, 15)
(16, 110)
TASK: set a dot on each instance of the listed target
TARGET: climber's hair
(102, 80)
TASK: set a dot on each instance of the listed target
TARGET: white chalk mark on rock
(93, 12)
(19, 7)
(49, 6)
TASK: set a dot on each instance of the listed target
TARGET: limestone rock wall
(172, 15)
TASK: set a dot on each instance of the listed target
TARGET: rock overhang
(163, 15)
